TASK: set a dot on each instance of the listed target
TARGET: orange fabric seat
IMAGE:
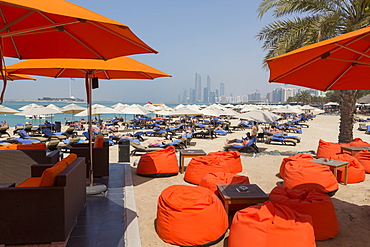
(160, 163)
(327, 149)
(31, 182)
(307, 201)
(232, 158)
(271, 225)
(211, 180)
(190, 216)
(364, 158)
(292, 158)
(200, 166)
(356, 171)
(302, 174)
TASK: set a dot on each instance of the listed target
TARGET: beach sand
(352, 201)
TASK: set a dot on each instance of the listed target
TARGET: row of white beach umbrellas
(249, 112)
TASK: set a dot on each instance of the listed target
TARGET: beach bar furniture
(211, 180)
(300, 156)
(347, 168)
(302, 174)
(364, 158)
(16, 161)
(189, 153)
(232, 158)
(271, 225)
(39, 213)
(240, 196)
(307, 201)
(198, 167)
(190, 216)
(160, 163)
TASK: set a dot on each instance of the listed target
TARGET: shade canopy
(340, 63)
(97, 110)
(117, 68)
(40, 110)
(135, 109)
(16, 77)
(72, 109)
(7, 110)
(259, 116)
(60, 29)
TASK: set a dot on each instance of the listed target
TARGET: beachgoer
(254, 129)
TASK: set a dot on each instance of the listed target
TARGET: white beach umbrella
(7, 110)
(317, 111)
(229, 112)
(247, 108)
(162, 112)
(259, 116)
(54, 107)
(331, 104)
(287, 109)
(212, 111)
(97, 110)
(39, 110)
(72, 109)
(119, 107)
(185, 112)
(135, 109)
(179, 106)
(32, 105)
(149, 107)
(307, 107)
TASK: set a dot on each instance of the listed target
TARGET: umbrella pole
(97, 188)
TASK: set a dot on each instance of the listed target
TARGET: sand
(352, 201)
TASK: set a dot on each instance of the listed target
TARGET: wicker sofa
(30, 215)
(15, 165)
(100, 158)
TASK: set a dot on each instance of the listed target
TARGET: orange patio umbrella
(60, 29)
(117, 68)
(340, 63)
(15, 77)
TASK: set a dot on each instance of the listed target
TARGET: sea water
(12, 119)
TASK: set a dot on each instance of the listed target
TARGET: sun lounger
(281, 140)
(48, 133)
(295, 138)
(23, 134)
(249, 146)
(140, 148)
(3, 131)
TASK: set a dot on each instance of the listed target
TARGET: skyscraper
(222, 89)
(198, 86)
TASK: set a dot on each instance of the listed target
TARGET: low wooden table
(353, 149)
(189, 153)
(334, 166)
(230, 195)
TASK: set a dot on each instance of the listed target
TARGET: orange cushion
(190, 216)
(99, 141)
(291, 158)
(271, 225)
(4, 147)
(48, 177)
(31, 182)
(356, 171)
(200, 166)
(302, 174)
(326, 149)
(12, 147)
(211, 180)
(232, 158)
(364, 158)
(31, 146)
(160, 163)
(70, 158)
(307, 201)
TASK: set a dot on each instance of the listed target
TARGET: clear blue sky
(209, 37)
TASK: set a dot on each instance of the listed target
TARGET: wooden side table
(353, 149)
(189, 153)
(334, 166)
(229, 194)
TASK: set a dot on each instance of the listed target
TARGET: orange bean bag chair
(327, 149)
(292, 158)
(160, 163)
(307, 201)
(200, 166)
(232, 158)
(359, 142)
(190, 216)
(302, 174)
(211, 180)
(356, 171)
(271, 225)
(364, 158)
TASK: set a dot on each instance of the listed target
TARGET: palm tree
(303, 97)
(317, 20)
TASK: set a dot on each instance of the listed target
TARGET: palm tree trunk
(347, 106)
